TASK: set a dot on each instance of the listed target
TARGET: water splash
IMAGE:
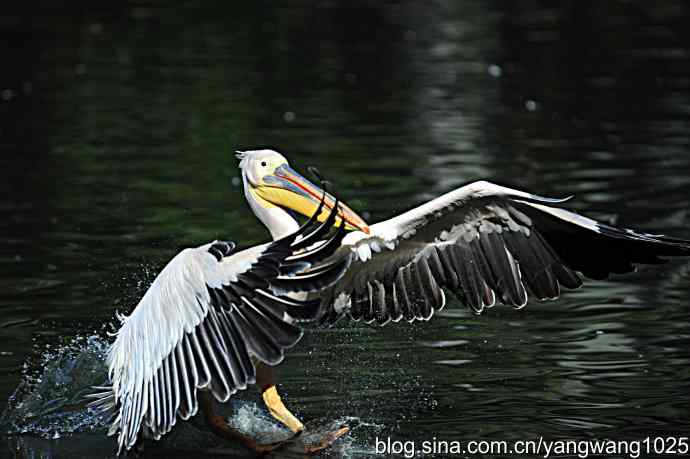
(46, 415)
(49, 401)
(256, 422)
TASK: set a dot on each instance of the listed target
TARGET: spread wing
(486, 244)
(202, 321)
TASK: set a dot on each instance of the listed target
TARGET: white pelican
(209, 318)
(485, 243)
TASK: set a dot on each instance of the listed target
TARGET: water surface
(118, 129)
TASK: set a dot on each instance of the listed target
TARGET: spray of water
(49, 401)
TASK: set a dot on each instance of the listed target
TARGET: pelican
(215, 320)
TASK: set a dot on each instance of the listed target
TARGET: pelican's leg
(218, 426)
(266, 382)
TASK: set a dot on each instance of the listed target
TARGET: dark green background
(117, 129)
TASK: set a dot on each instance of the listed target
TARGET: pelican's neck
(278, 221)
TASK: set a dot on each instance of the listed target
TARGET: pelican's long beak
(286, 188)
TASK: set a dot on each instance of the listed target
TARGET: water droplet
(289, 117)
(495, 71)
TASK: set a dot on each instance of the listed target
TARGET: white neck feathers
(278, 222)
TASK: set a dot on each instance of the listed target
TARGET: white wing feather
(177, 302)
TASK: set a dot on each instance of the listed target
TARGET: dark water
(118, 125)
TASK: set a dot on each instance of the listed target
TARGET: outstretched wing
(202, 321)
(486, 244)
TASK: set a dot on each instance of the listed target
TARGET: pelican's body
(485, 243)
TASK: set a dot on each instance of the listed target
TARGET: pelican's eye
(264, 163)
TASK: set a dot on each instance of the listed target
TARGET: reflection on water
(117, 133)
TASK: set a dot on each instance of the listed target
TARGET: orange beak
(287, 188)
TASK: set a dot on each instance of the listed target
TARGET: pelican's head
(270, 182)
